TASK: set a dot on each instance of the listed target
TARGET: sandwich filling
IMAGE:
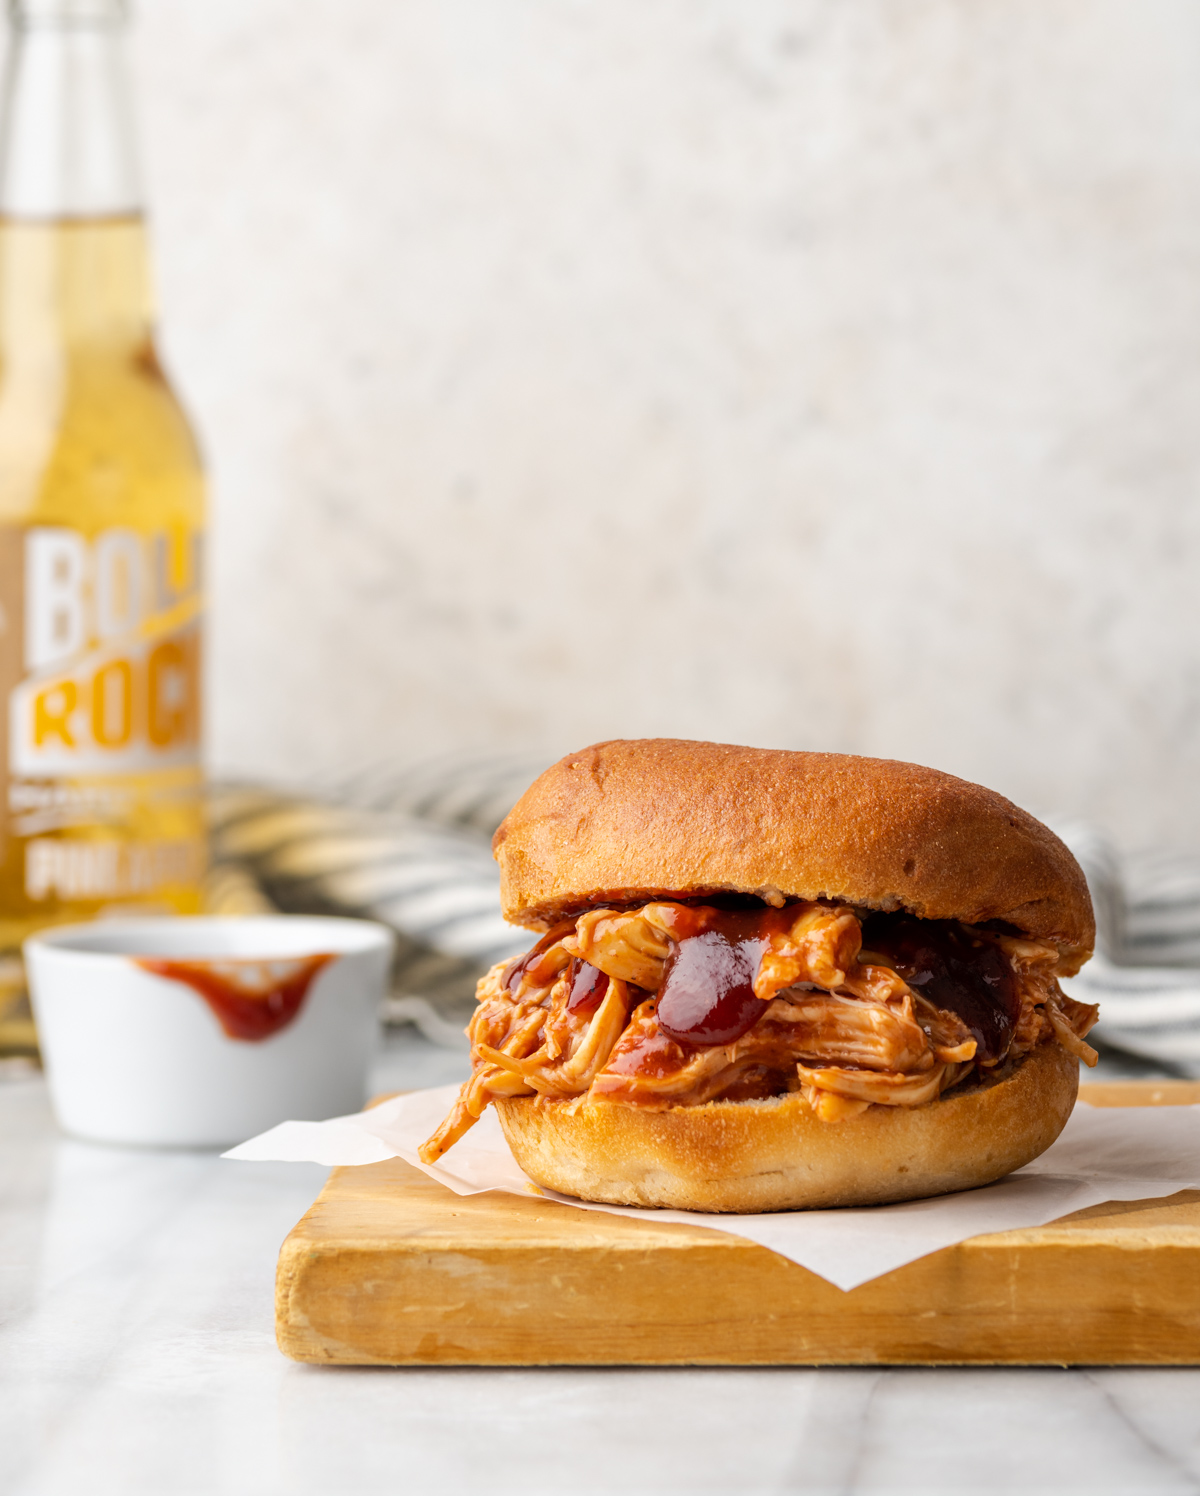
(676, 1004)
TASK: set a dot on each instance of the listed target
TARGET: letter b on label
(55, 613)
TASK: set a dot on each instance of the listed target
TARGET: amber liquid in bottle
(101, 516)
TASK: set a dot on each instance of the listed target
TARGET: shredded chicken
(840, 1026)
(820, 947)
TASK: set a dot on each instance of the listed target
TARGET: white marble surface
(783, 371)
(137, 1356)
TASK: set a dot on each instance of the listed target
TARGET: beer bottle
(101, 512)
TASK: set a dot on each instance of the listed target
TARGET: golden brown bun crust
(625, 820)
(778, 1155)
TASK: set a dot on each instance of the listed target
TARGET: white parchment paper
(1104, 1153)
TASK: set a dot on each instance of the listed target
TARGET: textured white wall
(821, 373)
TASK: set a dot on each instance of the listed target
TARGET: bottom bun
(778, 1155)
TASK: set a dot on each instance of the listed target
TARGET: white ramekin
(133, 1057)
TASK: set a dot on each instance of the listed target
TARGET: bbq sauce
(511, 979)
(707, 996)
(587, 986)
(251, 999)
(954, 970)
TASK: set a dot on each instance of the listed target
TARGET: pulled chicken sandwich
(772, 980)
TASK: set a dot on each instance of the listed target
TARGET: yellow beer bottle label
(100, 667)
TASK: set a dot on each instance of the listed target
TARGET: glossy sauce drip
(251, 999)
(512, 976)
(587, 987)
(954, 970)
(707, 996)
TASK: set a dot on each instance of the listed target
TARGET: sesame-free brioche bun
(624, 821)
(778, 1154)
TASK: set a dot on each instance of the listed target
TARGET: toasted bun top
(627, 820)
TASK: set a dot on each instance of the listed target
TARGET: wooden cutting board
(390, 1268)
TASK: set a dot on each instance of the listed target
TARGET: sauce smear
(252, 999)
(954, 970)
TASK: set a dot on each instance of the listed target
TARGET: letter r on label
(52, 710)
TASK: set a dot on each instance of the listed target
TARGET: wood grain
(390, 1268)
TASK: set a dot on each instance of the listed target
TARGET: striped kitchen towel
(411, 847)
(1146, 971)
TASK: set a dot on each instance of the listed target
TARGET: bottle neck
(67, 140)
(71, 290)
